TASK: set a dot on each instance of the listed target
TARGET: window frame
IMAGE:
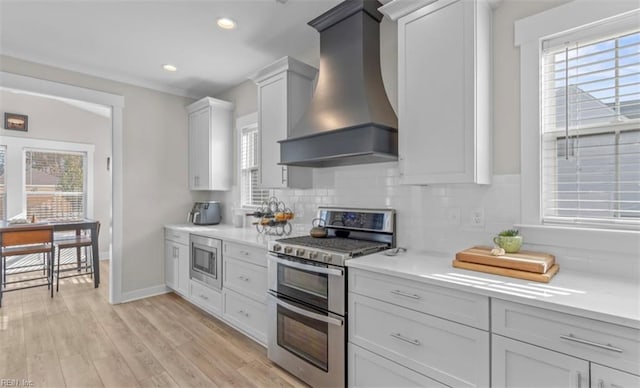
(529, 34)
(15, 176)
(85, 173)
(243, 123)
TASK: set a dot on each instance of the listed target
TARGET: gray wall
(52, 119)
(154, 166)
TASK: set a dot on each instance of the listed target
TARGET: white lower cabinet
(604, 377)
(569, 351)
(246, 314)
(367, 369)
(244, 285)
(205, 297)
(437, 349)
(176, 261)
(517, 364)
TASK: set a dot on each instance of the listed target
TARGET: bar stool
(26, 240)
(79, 241)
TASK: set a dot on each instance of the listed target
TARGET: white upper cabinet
(210, 144)
(285, 89)
(444, 90)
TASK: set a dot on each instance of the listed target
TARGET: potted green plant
(509, 240)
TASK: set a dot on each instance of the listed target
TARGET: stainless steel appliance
(205, 213)
(206, 260)
(307, 281)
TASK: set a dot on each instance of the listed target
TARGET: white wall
(154, 165)
(52, 119)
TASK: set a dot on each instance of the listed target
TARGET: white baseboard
(143, 293)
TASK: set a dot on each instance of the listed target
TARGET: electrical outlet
(453, 216)
(477, 217)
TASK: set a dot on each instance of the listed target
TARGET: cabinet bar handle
(204, 297)
(579, 380)
(405, 294)
(573, 338)
(600, 383)
(243, 278)
(405, 339)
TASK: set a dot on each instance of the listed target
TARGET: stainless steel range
(308, 289)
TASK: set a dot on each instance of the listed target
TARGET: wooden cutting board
(514, 273)
(536, 262)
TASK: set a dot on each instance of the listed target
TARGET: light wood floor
(77, 339)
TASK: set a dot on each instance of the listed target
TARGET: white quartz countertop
(248, 236)
(579, 293)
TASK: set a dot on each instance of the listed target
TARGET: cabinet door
(603, 377)
(438, 140)
(183, 267)
(199, 144)
(517, 364)
(272, 120)
(170, 264)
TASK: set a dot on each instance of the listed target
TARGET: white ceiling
(128, 41)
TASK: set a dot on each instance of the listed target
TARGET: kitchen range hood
(349, 120)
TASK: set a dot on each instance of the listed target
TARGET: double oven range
(307, 297)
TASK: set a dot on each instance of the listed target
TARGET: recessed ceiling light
(169, 67)
(226, 23)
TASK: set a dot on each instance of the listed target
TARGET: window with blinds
(3, 192)
(55, 184)
(250, 193)
(590, 99)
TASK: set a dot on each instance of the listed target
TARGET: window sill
(618, 241)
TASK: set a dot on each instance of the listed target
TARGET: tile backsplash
(435, 218)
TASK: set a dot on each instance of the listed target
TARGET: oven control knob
(300, 252)
(326, 257)
(276, 247)
(288, 250)
(313, 255)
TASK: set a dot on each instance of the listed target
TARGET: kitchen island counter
(614, 300)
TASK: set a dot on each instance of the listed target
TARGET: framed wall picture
(16, 122)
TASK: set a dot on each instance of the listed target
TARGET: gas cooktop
(367, 231)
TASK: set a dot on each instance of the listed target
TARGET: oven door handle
(306, 267)
(308, 314)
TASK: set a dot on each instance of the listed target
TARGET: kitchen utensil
(318, 229)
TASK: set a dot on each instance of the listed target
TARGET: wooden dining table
(61, 225)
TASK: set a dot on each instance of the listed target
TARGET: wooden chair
(77, 242)
(27, 240)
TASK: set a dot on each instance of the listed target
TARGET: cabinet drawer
(604, 343)
(367, 369)
(176, 235)
(253, 255)
(458, 306)
(245, 278)
(246, 314)
(454, 354)
(205, 297)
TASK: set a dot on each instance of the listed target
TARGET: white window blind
(55, 184)
(3, 195)
(250, 193)
(590, 99)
